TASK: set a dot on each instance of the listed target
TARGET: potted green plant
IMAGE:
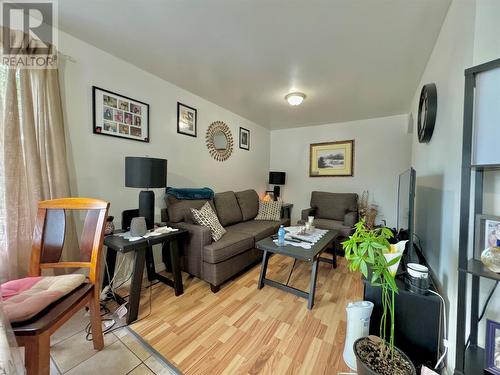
(368, 250)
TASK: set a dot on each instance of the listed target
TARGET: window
(3, 209)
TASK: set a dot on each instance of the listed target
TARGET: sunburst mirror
(219, 141)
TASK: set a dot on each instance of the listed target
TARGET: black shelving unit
(476, 267)
(472, 360)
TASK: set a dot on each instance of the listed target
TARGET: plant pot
(363, 368)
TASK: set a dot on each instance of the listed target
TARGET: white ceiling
(354, 59)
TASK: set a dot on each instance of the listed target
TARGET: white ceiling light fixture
(295, 98)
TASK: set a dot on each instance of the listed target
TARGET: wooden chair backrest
(49, 235)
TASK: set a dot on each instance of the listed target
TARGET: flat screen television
(406, 208)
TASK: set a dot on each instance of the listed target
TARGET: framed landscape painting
(119, 116)
(331, 159)
(187, 118)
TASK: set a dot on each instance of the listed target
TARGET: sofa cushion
(207, 217)
(179, 210)
(259, 229)
(333, 206)
(269, 210)
(228, 209)
(249, 203)
(218, 273)
(231, 244)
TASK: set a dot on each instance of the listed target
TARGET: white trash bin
(358, 325)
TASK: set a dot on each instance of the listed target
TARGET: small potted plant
(369, 251)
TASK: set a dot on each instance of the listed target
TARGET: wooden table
(143, 255)
(312, 255)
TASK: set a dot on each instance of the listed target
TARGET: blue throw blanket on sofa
(191, 193)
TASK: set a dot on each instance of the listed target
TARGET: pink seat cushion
(24, 298)
(13, 287)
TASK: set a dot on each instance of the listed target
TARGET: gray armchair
(337, 211)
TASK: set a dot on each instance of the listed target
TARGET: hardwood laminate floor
(243, 330)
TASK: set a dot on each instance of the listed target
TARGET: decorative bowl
(491, 258)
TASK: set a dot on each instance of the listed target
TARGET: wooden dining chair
(47, 247)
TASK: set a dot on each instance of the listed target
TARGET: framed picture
(331, 159)
(244, 139)
(492, 347)
(119, 116)
(187, 118)
(487, 233)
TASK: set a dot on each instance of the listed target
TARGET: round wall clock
(427, 109)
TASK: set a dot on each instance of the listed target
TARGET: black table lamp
(146, 173)
(277, 178)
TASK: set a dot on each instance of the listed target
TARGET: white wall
(381, 153)
(97, 162)
(487, 31)
(438, 162)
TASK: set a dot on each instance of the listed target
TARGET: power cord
(481, 316)
(445, 338)
(109, 293)
(483, 311)
(487, 301)
(446, 343)
(111, 279)
(88, 329)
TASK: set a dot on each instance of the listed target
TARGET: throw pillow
(206, 216)
(270, 210)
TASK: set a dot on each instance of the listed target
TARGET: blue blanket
(191, 193)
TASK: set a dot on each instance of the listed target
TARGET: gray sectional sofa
(216, 262)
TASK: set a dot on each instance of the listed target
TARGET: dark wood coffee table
(312, 255)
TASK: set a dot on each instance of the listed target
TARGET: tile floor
(123, 352)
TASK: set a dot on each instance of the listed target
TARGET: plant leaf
(371, 255)
(393, 261)
(364, 268)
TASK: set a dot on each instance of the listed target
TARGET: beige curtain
(33, 150)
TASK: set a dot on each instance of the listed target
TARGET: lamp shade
(145, 172)
(277, 178)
